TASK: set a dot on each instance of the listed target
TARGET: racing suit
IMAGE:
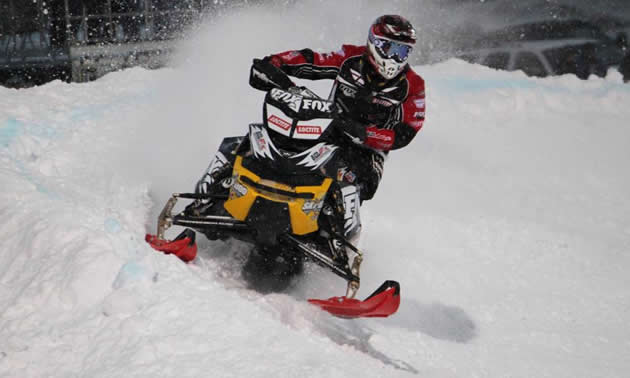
(379, 115)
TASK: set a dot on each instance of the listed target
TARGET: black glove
(264, 76)
(353, 130)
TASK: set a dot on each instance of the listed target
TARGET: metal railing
(32, 32)
(88, 38)
(146, 23)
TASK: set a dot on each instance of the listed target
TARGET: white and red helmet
(390, 41)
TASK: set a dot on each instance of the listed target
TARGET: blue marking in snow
(112, 226)
(130, 272)
(23, 171)
(9, 131)
(43, 131)
(94, 111)
(12, 128)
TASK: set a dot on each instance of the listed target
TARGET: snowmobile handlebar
(264, 76)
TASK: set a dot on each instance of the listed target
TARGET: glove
(264, 75)
(368, 135)
(379, 139)
(355, 131)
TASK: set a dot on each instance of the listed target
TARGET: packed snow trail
(505, 221)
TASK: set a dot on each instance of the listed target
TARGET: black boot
(214, 184)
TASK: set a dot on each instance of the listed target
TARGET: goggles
(390, 49)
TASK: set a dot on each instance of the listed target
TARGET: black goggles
(391, 49)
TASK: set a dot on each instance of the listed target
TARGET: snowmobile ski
(382, 303)
(183, 246)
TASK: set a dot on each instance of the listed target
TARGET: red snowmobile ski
(382, 303)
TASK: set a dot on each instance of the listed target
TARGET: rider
(381, 98)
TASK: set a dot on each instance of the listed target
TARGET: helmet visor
(391, 49)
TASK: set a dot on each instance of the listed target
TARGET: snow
(506, 221)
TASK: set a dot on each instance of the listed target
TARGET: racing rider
(381, 105)
(381, 98)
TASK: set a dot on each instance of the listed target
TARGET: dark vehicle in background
(546, 49)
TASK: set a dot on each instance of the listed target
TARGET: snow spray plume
(207, 96)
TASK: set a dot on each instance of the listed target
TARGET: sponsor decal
(347, 90)
(380, 101)
(375, 135)
(260, 140)
(418, 114)
(322, 151)
(313, 130)
(281, 123)
(356, 76)
(293, 101)
(310, 206)
(316, 155)
(340, 173)
(239, 189)
(419, 103)
(228, 182)
(351, 205)
(322, 106)
(350, 176)
(416, 124)
(261, 143)
(344, 173)
(290, 55)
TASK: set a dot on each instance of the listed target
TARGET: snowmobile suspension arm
(352, 275)
(165, 220)
(353, 286)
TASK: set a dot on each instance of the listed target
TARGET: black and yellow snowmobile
(285, 189)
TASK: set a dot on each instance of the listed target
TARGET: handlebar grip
(265, 76)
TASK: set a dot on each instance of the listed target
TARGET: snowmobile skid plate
(382, 303)
(183, 246)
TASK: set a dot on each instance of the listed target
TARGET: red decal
(417, 125)
(315, 130)
(279, 122)
(380, 139)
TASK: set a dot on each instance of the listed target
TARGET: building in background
(81, 40)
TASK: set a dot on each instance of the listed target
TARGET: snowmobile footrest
(183, 246)
(382, 303)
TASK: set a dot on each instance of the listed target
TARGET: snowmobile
(284, 189)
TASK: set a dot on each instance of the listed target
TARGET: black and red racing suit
(383, 114)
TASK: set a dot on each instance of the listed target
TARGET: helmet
(390, 41)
